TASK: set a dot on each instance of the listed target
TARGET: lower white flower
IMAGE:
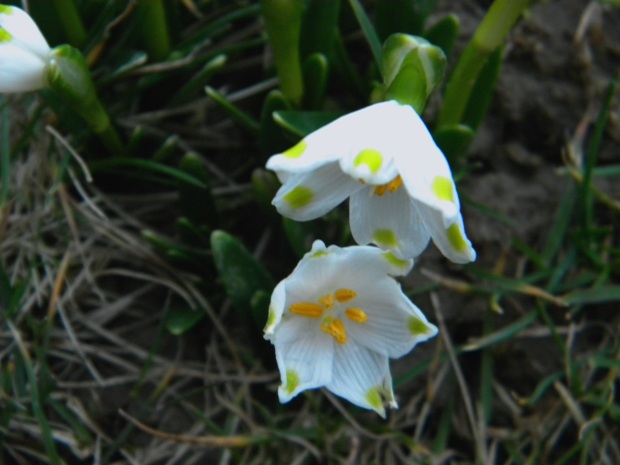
(336, 321)
(24, 52)
(400, 186)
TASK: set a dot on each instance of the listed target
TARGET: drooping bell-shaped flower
(337, 320)
(24, 52)
(399, 182)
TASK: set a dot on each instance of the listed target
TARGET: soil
(553, 80)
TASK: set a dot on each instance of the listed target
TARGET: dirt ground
(559, 62)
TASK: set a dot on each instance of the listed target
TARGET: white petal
(308, 195)
(451, 239)
(389, 220)
(360, 376)
(363, 141)
(20, 70)
(276, 309)
(425, 171)
(24, 31)
(312, 278)
(356, 268)
(324, 145)
(394, 325)
(379, 135)
(304, 354)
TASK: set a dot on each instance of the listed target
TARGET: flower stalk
(488, 37)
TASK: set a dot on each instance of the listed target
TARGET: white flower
(383, 157)
(24, 52)
(338, 318)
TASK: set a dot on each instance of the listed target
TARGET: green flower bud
(68, 75)
(412, 68)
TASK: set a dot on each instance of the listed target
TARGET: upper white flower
(24, 52)
(370, 155)
(337, 319)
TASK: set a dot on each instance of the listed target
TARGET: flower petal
(425, 171)
(276, 309)
(304, 355)
(379, 136)
(361, 376)
(389, 220)
(24, 32)
(20, 70)
(326, 270)
(307, 196)
(394, 325)
(450, 239)
(324, 145)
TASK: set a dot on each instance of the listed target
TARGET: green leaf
(196, 236)
(454, 140)
(241, 117)
(302, 123)
(260, 303)
(594, 146)
(265, 184)
(404, 16)
(367, 29)
(444, 33)
(193, 87)
(271, 138)
(242, 276)
(559, 229)
(319, 23)
(315, 71)
(482, 92)
(120, 164)
(197, 202)
(167, 149)
(80, 431)
(506, 333)
(179, 254)
(300, 235)
(596, 295)
(11, 294)
(282, 19)
(181, 319)
(129, 61)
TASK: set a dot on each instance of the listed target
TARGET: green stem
(5, 155)
(154, 29)
(71, 22)
(283, 26)
(110, 138)
(488, 37)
